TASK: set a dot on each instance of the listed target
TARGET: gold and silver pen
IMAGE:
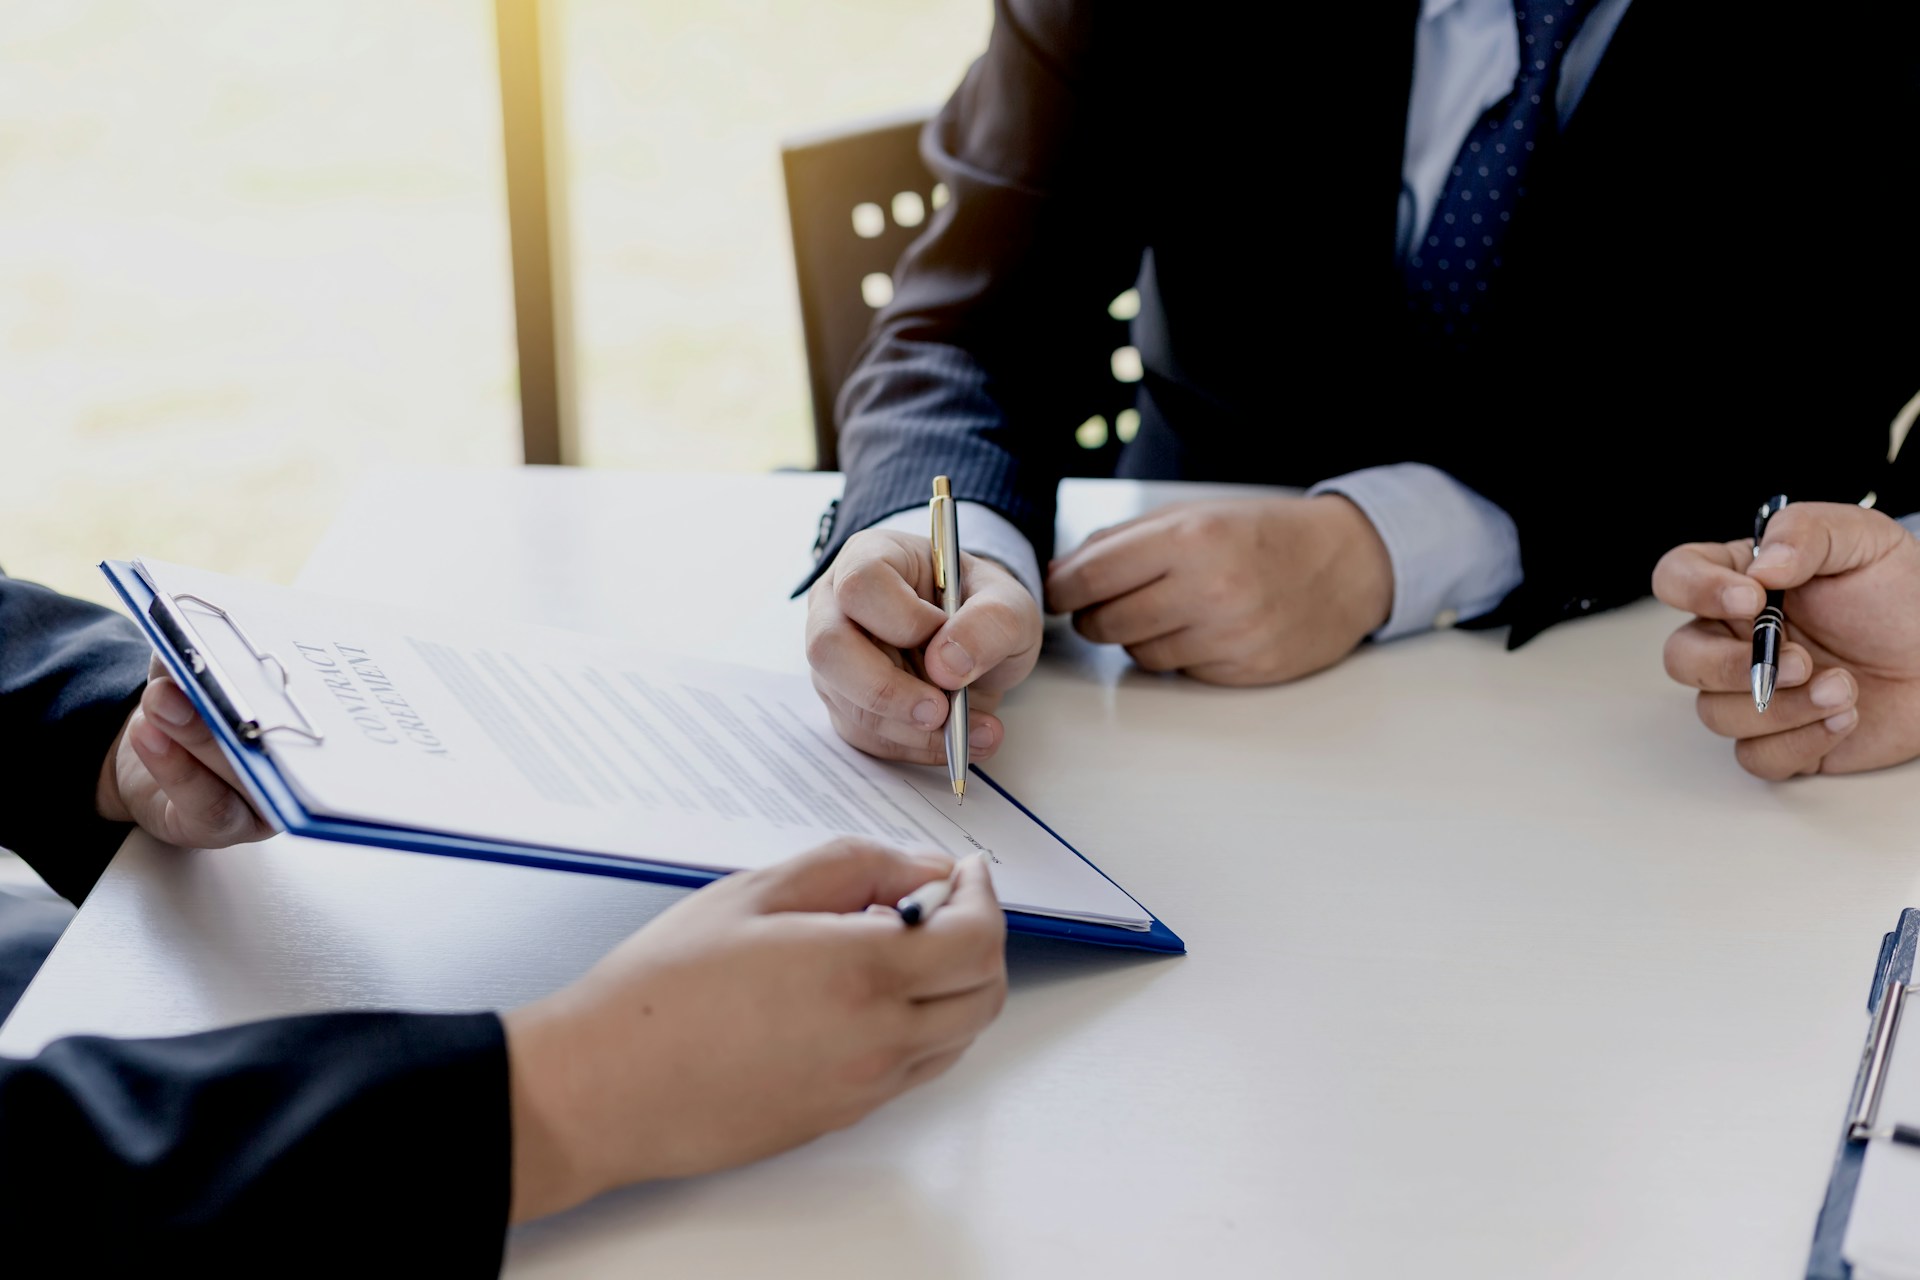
(946, 577)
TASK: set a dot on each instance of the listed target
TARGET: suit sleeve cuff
(1455, 555)
(392, 1131)
(983, 532)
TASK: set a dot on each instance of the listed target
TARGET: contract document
(478, 728)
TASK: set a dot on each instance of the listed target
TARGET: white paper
(534, 736)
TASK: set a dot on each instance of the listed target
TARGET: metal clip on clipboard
(171, 619)
(1863, 1120)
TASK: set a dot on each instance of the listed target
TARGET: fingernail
(1774, 555)
(958, 660)
(1832, 690)
(150, 736)
(170, 704)
(1741, 600)
(980, 736)
(1844, 721)
(1793, 669)
(927, 713)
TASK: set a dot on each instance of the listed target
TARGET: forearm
(317, 1142)
(70, 673)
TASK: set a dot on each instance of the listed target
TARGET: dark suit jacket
(1707, 298)
(330, 1144)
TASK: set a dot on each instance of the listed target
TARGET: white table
(1499, 966)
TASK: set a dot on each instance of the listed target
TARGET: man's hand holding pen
(885, 655)
(1848, 693)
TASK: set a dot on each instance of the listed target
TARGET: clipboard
(171, 625)
(1886, 1000)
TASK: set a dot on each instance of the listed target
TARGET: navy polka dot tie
(1450, 269)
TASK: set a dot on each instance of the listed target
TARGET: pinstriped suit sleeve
(954, 378)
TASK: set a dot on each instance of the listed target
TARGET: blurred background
(250, 250)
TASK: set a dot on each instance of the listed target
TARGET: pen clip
(939, 540)
(1768, 510)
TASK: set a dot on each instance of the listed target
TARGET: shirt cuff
(1911, 523)
(983, 532)
(1455, 555)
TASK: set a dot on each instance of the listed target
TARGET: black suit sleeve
(311, 1145)
(70, 674)
(1034, 238)
(335, 1144)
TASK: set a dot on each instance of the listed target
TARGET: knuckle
(1202, 526)
(879, 694)
(1708, 709)
(856, 586)
(854, 729)
(1672, 658)
(1091, 582)
(823, 595)
(821, 644)
(1665, 570)
(1217, 596)
(840, 847)
(230, 815)
(864, 1070)
(995, 625)
(990, 958)
(846, 1116)
(1759, 760)
(1149, 657)
(1236, 639)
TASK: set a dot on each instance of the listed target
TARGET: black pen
(917, 906)
(1770, 628)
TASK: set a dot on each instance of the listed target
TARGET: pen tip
(1763, 677)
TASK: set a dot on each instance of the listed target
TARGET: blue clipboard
(1825, 1260)
(238, 737)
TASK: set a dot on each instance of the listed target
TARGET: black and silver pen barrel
(1769, 633)
(1770, 628)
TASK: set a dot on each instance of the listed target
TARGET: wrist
(1361, 568)
(546, 1092)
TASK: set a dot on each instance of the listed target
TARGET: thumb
(850, 874)
(188, 805)
(1821, 539)
(999, 620)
